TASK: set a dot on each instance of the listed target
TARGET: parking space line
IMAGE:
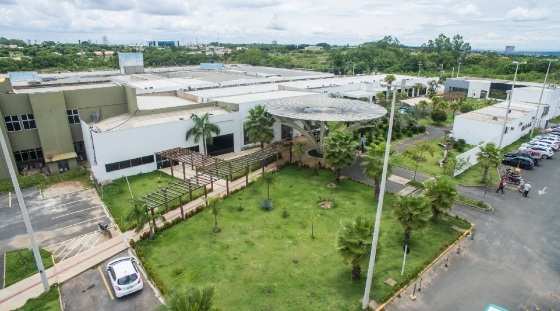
(75, 212)
(81, 222)
(71, 202)
(105, 283)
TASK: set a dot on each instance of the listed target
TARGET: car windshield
(127, 279)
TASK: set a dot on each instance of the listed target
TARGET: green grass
(20, 264)
(426, 121)
(265, 261)
(46, 302)
(430, 166)
(119, 202)
(78, 174)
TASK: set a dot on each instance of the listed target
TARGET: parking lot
(64, 219)
(91, 290)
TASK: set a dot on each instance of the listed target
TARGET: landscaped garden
(287, 258)
(119, 201)
(20, 264)
(48, 301)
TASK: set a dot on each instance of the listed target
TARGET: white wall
(551, 97)
(125, 144)
(476, 88)
(475, 132)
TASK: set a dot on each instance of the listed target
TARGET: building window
(128, 163)
(73, 116)
(29, 155)
(28, 121)
(12, 123)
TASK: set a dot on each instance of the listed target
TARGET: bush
(466, 107)
(439, 116)
(420, 129)
(285, 213)
(459, 145)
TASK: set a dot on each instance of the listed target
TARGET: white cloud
(287, 21)
(522, 14)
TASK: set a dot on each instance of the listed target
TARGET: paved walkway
(16, 295)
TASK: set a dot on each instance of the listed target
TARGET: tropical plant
(412, 213)
(192, 299)
(259, 125)
(140, 214)
(372, 164)
(454, 106)
(215, 212)
(389, 79)
(422, 107)
(438, 116)
(354, 243)
(269, 180)
(442, 194)
(202, 130)
(489, 156)
(339, 151)
(299, 150)
(419, 153)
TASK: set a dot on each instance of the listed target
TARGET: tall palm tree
(140, 214)
(192, 299)
(413, 213)
(354, 243)
(372, 164)
(202, 129)
(442, 194)
(340, 151)
(489, 156)
(259, 125)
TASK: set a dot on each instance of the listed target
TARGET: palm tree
(340, 151)
(413, 213)
(454, 106)
(215, 212)
(192, 299)
(372, 165)
(354, 243)
(269, 180)
(259, 125)
(423, 106)
(489, 156)
(442, 194)
(140, 214)
(202, 129)
(389, 79)
(419, 154)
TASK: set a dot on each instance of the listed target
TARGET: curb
(429, 266)
(4, 271)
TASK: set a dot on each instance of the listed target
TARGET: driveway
(91, 290)
(65, 222)
(514, 258)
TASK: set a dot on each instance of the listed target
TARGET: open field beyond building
(269, 260)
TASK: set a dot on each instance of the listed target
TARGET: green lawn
(119, 202)
(46, 302)
(263, 260)
(430, 166)
(21, 264)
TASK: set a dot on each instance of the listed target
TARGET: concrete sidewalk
(16, 295)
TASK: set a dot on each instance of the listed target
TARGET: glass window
(28, 121)
(148, 159)
(73, 116)
(12, 123)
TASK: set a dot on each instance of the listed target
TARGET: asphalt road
(91, 291)
(514, 260)
(54, 219)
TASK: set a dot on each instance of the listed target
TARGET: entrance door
(221, 144)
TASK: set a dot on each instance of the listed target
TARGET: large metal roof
(324, 108)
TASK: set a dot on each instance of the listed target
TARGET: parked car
(544, 144)
(125, 276)
(524, 154)
(541, 152)
(517, 161)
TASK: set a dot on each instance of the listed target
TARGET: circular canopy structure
(324, 108)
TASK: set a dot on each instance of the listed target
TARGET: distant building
(163, 43)
(131, 63)
(313, 48)
(509, 49)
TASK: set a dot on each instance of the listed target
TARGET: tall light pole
(538, 118)
(419, 66)
(458, 68)
(510, 95)
(377, 224)
(24, 214)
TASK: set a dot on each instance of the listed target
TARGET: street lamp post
(377, 224)
(510, 95)
(458, 68)
(538, 118)
(419, 66)
(24, 213)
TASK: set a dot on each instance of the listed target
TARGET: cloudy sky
(527, 24)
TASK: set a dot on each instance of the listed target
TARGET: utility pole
(377, 225)
(419, 66)
(24, 213)
(458, 68)
(510, 95)
(538, 118)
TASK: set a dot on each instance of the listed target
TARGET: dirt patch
(326, 204)
(63, 188)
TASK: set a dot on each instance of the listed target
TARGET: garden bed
(263, 260)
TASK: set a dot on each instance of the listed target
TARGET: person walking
(501, 185)
(526, 189)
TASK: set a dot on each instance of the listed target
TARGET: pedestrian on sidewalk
(501, 185)
(526, 189)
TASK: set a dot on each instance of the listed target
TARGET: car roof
(122, 267)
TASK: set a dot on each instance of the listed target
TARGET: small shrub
(240, 208)
(439, 116)
(285, 213)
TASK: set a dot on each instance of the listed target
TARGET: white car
(124, 276)
(539, 151)
(544, 143)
